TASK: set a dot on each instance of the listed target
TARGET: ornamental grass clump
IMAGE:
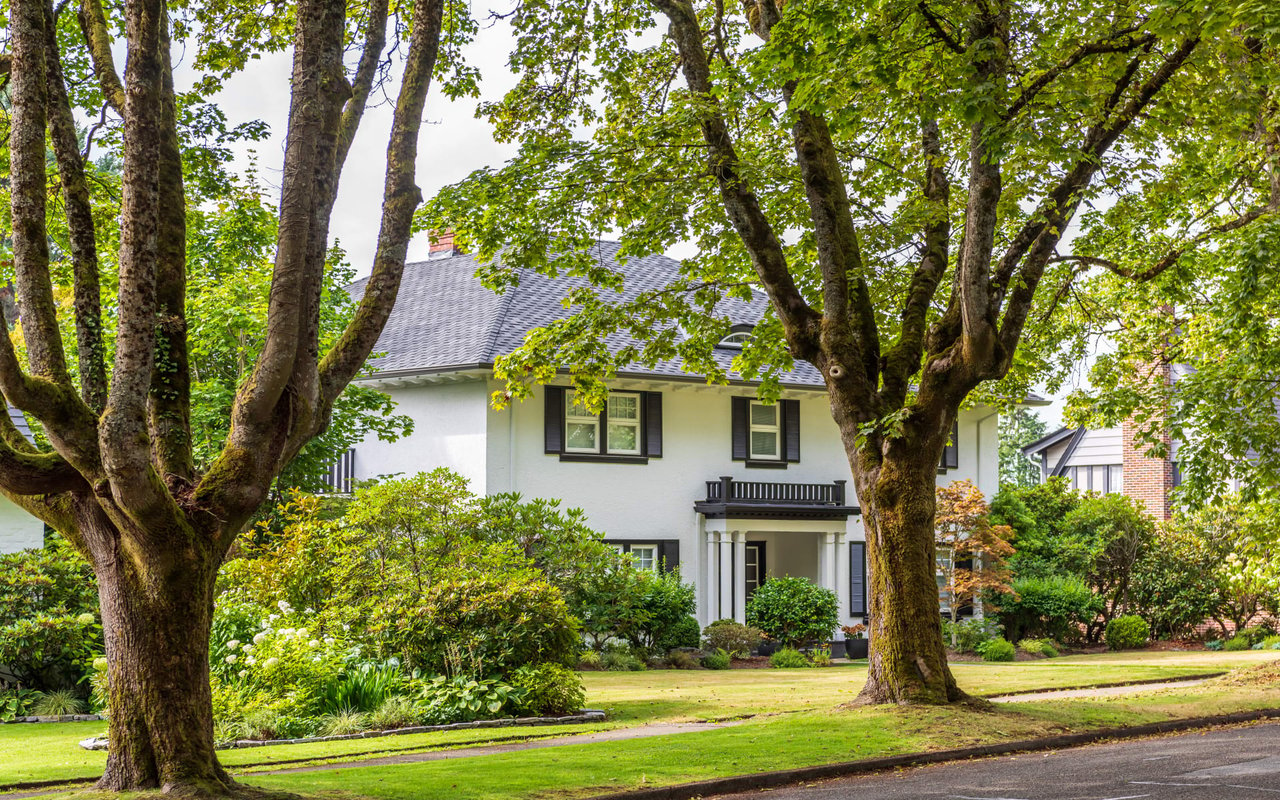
(789, 658)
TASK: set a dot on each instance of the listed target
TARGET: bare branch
(79, 213)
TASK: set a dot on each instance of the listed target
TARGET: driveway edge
(787, 777)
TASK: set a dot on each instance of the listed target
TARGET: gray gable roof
(445, 319)
(20, 422)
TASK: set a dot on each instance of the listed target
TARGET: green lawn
(813, 731)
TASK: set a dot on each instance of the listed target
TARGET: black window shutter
(669, 554)
(741, 405)
(653, 424)
(857, 578)
(553, 419)
(791, 429)
(951, 452)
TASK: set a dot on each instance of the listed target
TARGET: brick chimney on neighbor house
(441, 244)
(1146, 479)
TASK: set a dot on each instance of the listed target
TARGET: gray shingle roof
(20, 422)
(445, 318)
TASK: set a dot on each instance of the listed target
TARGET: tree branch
(79, 212)
(375, 38)
(743, 207)
(936, 23)
(1122, 41)
(93, 25)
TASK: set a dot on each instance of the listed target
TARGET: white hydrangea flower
(302, 632)
(258, 638)
(309, 611)
(314, 643)
(233, 644)
(284, 606)
(248, 648)
(329, 640)
(270, 662)
(251, 661)
(271, 618)
(244, 673)
(231, 659)
(286, 632)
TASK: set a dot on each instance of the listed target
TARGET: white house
(675, 471)
(18, 529)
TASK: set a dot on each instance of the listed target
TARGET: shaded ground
(1225, 764)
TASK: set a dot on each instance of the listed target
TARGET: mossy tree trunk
(899, 368)
(118, 479)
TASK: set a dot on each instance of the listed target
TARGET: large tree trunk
(908, 661)
(157, 620)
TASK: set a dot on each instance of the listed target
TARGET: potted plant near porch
(855, 640)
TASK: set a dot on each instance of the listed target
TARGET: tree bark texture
(119, 479)
(895, 402)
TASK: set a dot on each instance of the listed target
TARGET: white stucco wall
(449, 431)
(18, 529)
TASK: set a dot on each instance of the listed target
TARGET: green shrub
(998, 650)
(1236, 643)
(395, 712)
(1038, 647)
(788, 658)
(49, 625)
(1053, 607)
(503, 621)
(58, 703)
(1214, 645)
(362, 687)
(734, 638)
(794, 611)
(684, 633)
(590, 659)
(549, 689)
(1269, 643)
(967, 634)
(718, 660)
(821, 657)
(662, 619)
(620, 661)
(1255, 633)
(1127, 632)
(17, 702)
(446, 700)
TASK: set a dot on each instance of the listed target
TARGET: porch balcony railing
(728, 490)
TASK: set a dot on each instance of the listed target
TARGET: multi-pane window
(621, 425)
(624, 423)
(645, 555)
(581, 427)
(765, 432)
(943, 574)
(1101, 479)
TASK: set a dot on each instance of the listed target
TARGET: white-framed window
(764, 435)
(943, 572)
(621, 420)
(581, 427)
(645, 555)
(735, 341)
(623, 415)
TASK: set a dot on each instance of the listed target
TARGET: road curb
(787, 777)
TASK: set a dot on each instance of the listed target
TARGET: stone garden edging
(60, 718)
(586, 715)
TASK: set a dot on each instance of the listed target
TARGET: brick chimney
(1148, 480)
(441, 244)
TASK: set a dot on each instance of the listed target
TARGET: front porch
(752, 530)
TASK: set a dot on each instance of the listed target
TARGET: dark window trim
(662, 546)
(602, 438)
(760, 463)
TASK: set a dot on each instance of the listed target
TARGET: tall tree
(119, 478)
(896, 177)
(1019, 428)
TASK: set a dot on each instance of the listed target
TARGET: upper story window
(765, 431)
(735, 340)
(627, 429)
(765, 435)
(1107, 479)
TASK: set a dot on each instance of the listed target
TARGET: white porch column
(842, 573)
(726, 575)
(740, 576)
(829, 562)
(711, 586)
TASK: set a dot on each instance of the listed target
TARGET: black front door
(755, 571)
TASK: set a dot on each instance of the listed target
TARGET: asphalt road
(1222, 764)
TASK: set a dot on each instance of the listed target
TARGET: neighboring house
(674, 471)
(18, 529)
(1108, 460)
